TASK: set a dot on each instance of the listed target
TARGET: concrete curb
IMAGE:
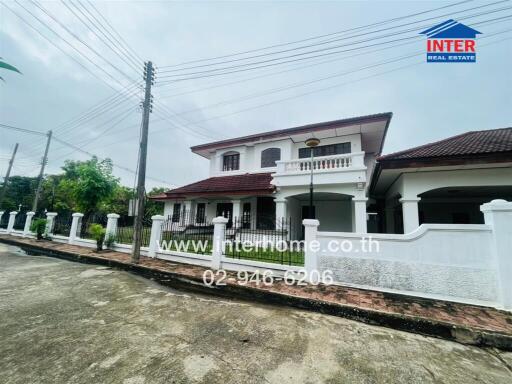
(435, 328)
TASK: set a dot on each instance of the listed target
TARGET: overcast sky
(429, 101)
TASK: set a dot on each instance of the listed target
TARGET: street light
(311, 144)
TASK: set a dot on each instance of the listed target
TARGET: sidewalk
(468, 324)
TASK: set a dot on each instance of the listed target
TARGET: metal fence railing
(87, 221)
(275, 243)
(62, 224)
(188, 233)
(124, 230)
(19, 221)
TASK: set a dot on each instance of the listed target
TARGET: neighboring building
(262, 178)
(443, 182)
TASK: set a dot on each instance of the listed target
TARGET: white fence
(465, 263)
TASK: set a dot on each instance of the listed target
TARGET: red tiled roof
(237, 184)
(492, 141)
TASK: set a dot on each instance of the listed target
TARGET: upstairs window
(269, 157)
(231, 161)
(325, 150)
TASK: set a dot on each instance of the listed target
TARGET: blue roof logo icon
(450, 29)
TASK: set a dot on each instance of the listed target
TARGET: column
(28, 223)
(498, 214)
(237, 212)
(410, 213)
(111, 229)
(74, 232)
(186, 212)
(219, 231)
(310, 246)
(281, 213)
(360, 217)
(10, 224)
(156, 235)
(50, 222)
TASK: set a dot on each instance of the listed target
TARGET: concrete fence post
(75, 227)
(111, 229)
(310, 245)
(156, 234)
(10, 224)
(50, 222)
(498, 214)
(28, 223)
(219, 232)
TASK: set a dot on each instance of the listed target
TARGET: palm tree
(9, 67)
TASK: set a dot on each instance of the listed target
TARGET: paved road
(64, 322)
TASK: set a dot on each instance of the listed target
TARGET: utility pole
(141, 177)
(6, 179)
(41, 172)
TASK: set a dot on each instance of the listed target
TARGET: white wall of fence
(465, 263)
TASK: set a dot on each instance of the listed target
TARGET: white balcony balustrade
(322, 164)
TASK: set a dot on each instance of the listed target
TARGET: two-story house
(264, 177)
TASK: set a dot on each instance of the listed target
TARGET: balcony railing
(322, 164)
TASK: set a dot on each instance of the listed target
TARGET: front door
(226, 210)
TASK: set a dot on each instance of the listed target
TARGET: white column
(219, 231)
(237, 212)
(75, 227)
(50, 222)
(156, 234)
(410, 213)
(498, 214)
(111, 225)
(10, 224)
(281, 213)
(28, 223)
(310, 245)
(360, 217)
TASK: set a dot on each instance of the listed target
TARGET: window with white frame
(231, 161)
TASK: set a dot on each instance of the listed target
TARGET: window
(176, 210)
(231, 162)
(201, 213)
(325, 150)
(269, 157)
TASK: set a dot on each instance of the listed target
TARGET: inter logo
(451, 42)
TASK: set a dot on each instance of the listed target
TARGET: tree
(155, 207)
(89, 183)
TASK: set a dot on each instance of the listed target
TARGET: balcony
(346, 168)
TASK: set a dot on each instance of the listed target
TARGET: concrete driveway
(63, 322)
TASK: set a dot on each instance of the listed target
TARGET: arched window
(269, 157)
(231, 161)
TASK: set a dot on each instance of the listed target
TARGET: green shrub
(110, 240)
(98, 233)
(39, 227)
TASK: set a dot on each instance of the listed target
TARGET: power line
(215, 71)
(319, 36)
(63, 26)
(128, 60)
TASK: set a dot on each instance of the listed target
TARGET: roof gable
(450, 29)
